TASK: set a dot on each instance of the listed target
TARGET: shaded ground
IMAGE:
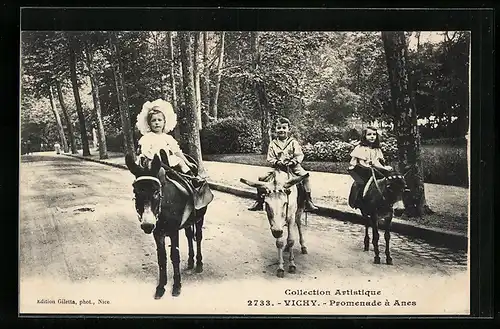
(450, 203)
(79, 238)
(331, 186)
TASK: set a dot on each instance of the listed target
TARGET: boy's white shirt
(285, 150)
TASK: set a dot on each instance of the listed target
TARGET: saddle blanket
(198, 197)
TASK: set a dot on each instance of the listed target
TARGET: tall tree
(405, 121)
(215, 100)
(128, 138)
(173, 96)
(67, 118)
(60, 128)
(188, 120)
(260, 93)
(101, 134)
(197, 73)
(205, 90)
(73, 48)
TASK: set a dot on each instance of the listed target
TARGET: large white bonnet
(161, 105)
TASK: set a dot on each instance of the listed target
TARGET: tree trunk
(95, 142)
(181, 85)
(188, 122)
(206, 78)
(67, 118)
(261, 95)
(72, 43)
(60, 128)
(128, 138)
(196, 73)
(101, 134)
(173, 96)
(405, 121)
(213, 111)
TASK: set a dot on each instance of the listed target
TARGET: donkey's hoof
(304, 250)
(176, 291)
(388, 261)
(280, 273)
(292, 269)
(366, 248)
(190, 264)
(376, 260)
(286, 249)
(199, 268)
(160, 291)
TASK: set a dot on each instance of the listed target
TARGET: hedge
(339, 151)
(231, 135)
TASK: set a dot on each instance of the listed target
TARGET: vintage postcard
(267, 173)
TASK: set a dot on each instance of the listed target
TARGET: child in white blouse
(365, 155)
(154, 122)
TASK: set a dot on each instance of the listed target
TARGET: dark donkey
(379, 196)
(162, 212)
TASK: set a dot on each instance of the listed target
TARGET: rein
(376, 183)
(385, 177)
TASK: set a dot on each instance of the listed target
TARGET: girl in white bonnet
(154, 122)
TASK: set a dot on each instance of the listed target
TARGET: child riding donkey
(366, 155)
(155, 121)
(285, 153)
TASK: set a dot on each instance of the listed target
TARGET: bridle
(154, 179)
(373, 170)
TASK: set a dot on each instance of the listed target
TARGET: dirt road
(80, 240)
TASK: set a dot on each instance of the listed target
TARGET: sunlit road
(79, 235)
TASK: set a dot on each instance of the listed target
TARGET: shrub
(231, 135)
(351, 134)
(339, 151)
(321, 134)
(114, 143)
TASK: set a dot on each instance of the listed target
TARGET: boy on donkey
(285, 151)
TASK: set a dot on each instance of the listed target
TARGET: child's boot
(309, 205)
(259, 204)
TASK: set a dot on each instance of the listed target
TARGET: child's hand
(280, 165)
(388, 168)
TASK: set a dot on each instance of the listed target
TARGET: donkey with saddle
(166, 204)
(375, 199)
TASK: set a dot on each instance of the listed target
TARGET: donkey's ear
(131, 165)
(295, 180)
(163, 157)
(155, 164)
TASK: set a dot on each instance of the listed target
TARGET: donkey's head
(395, 184)
(147, 192)
(280, 199)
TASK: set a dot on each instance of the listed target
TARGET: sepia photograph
(244, 172)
